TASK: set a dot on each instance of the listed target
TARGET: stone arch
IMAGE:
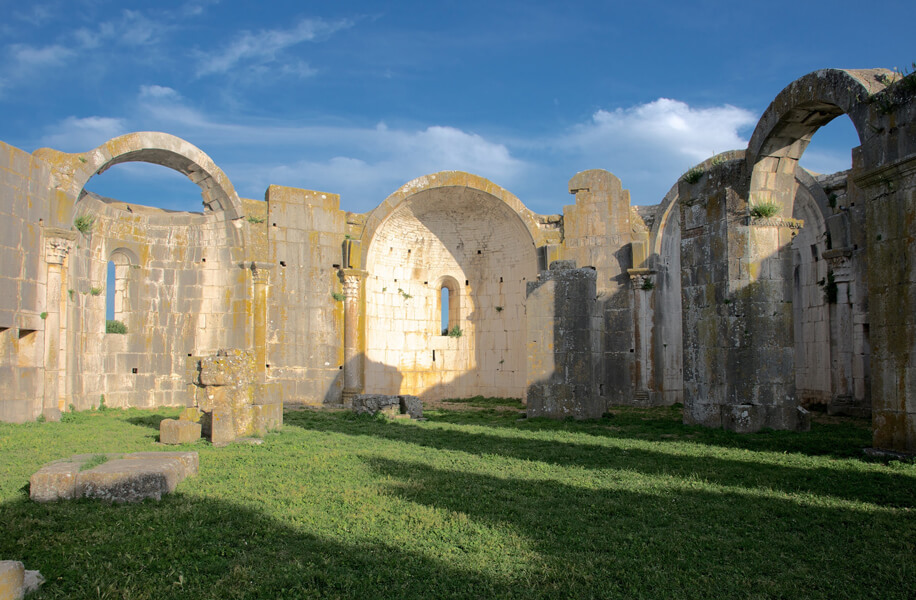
(797, 112)
(462, 231)
(71, 172)
(444, 179)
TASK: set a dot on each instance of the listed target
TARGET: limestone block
(743, 418)
(178, 432)
(265, 417)
(12, 577)
(55, 481)
(411, 405)
(221, 426)
(131, 480)
(192, 414)
(123, 478)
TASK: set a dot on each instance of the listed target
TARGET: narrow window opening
(443, 299)
(434, 356)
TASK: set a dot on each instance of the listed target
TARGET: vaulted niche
(445, 297)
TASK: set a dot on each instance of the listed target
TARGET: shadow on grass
(886, 489)
(151, 421)
(186, 547)
(670, 544)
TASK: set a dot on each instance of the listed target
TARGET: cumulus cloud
(649, 145)
(79, 134)
(262, 47)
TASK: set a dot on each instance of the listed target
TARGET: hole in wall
(203, 260)
(282, 263)
(134, 370)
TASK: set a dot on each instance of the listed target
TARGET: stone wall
(24, 214)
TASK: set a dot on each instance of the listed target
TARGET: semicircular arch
(71, 172)
(444, 179)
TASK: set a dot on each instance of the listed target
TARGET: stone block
(123, 478)
(191, 413)
(12, 578)
(743, 418)
(178, 432)
(55, 481)
(221, 426)
(266, 417)
(411, 405)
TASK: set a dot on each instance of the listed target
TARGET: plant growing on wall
(404, 294)
(43, 316)
(96, 291)
(455, 332)
(83, 223)
(499, 309)
(254, 219)
(648, 284)
(338, 296)
(693, 175)
(765, 210)
(115, 326)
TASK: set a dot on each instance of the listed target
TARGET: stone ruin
(752, 290)
(229, 402)
(118, 478)
(395, 407)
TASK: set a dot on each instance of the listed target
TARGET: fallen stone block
(12, 576)
(388, 405)
(122, 478)
(16, 581)
(178, 432)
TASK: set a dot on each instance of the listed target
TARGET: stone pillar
(57, 246)
(353, 341)
(643, 288)
(564, 343)
(841, 350)
(260, 277)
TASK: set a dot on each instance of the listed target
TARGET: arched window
(117, 288)
(449, 303)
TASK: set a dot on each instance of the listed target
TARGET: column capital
(351, 279)
(840, 262)
(643, 279)
(57, 244)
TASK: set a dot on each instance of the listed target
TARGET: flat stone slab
(122, 478)
(392, 406)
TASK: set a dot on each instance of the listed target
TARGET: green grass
(474, 504)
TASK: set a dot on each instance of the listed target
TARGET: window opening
(443, 299)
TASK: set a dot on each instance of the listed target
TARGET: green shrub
(115, 326)
(693, 175)
(765, 210)
(83, 223)
(455, 332)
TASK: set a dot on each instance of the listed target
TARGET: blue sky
(357, 98)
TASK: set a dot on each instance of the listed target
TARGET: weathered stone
(178, 432)
(12, 577)
(192, 413)
(122, 478)
(392, 406)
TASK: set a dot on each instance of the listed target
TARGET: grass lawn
(474, 503)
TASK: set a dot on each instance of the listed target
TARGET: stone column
(353, 346)
(260, 277)
(57, 246)
(643, 286)
(841, 351)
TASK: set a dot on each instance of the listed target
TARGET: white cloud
(132, 28)
(25, 57)
(76, 135)
(262, 47)
(648, 146)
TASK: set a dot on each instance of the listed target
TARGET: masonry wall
(305, 230)
(24, 208)
(186, 294)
